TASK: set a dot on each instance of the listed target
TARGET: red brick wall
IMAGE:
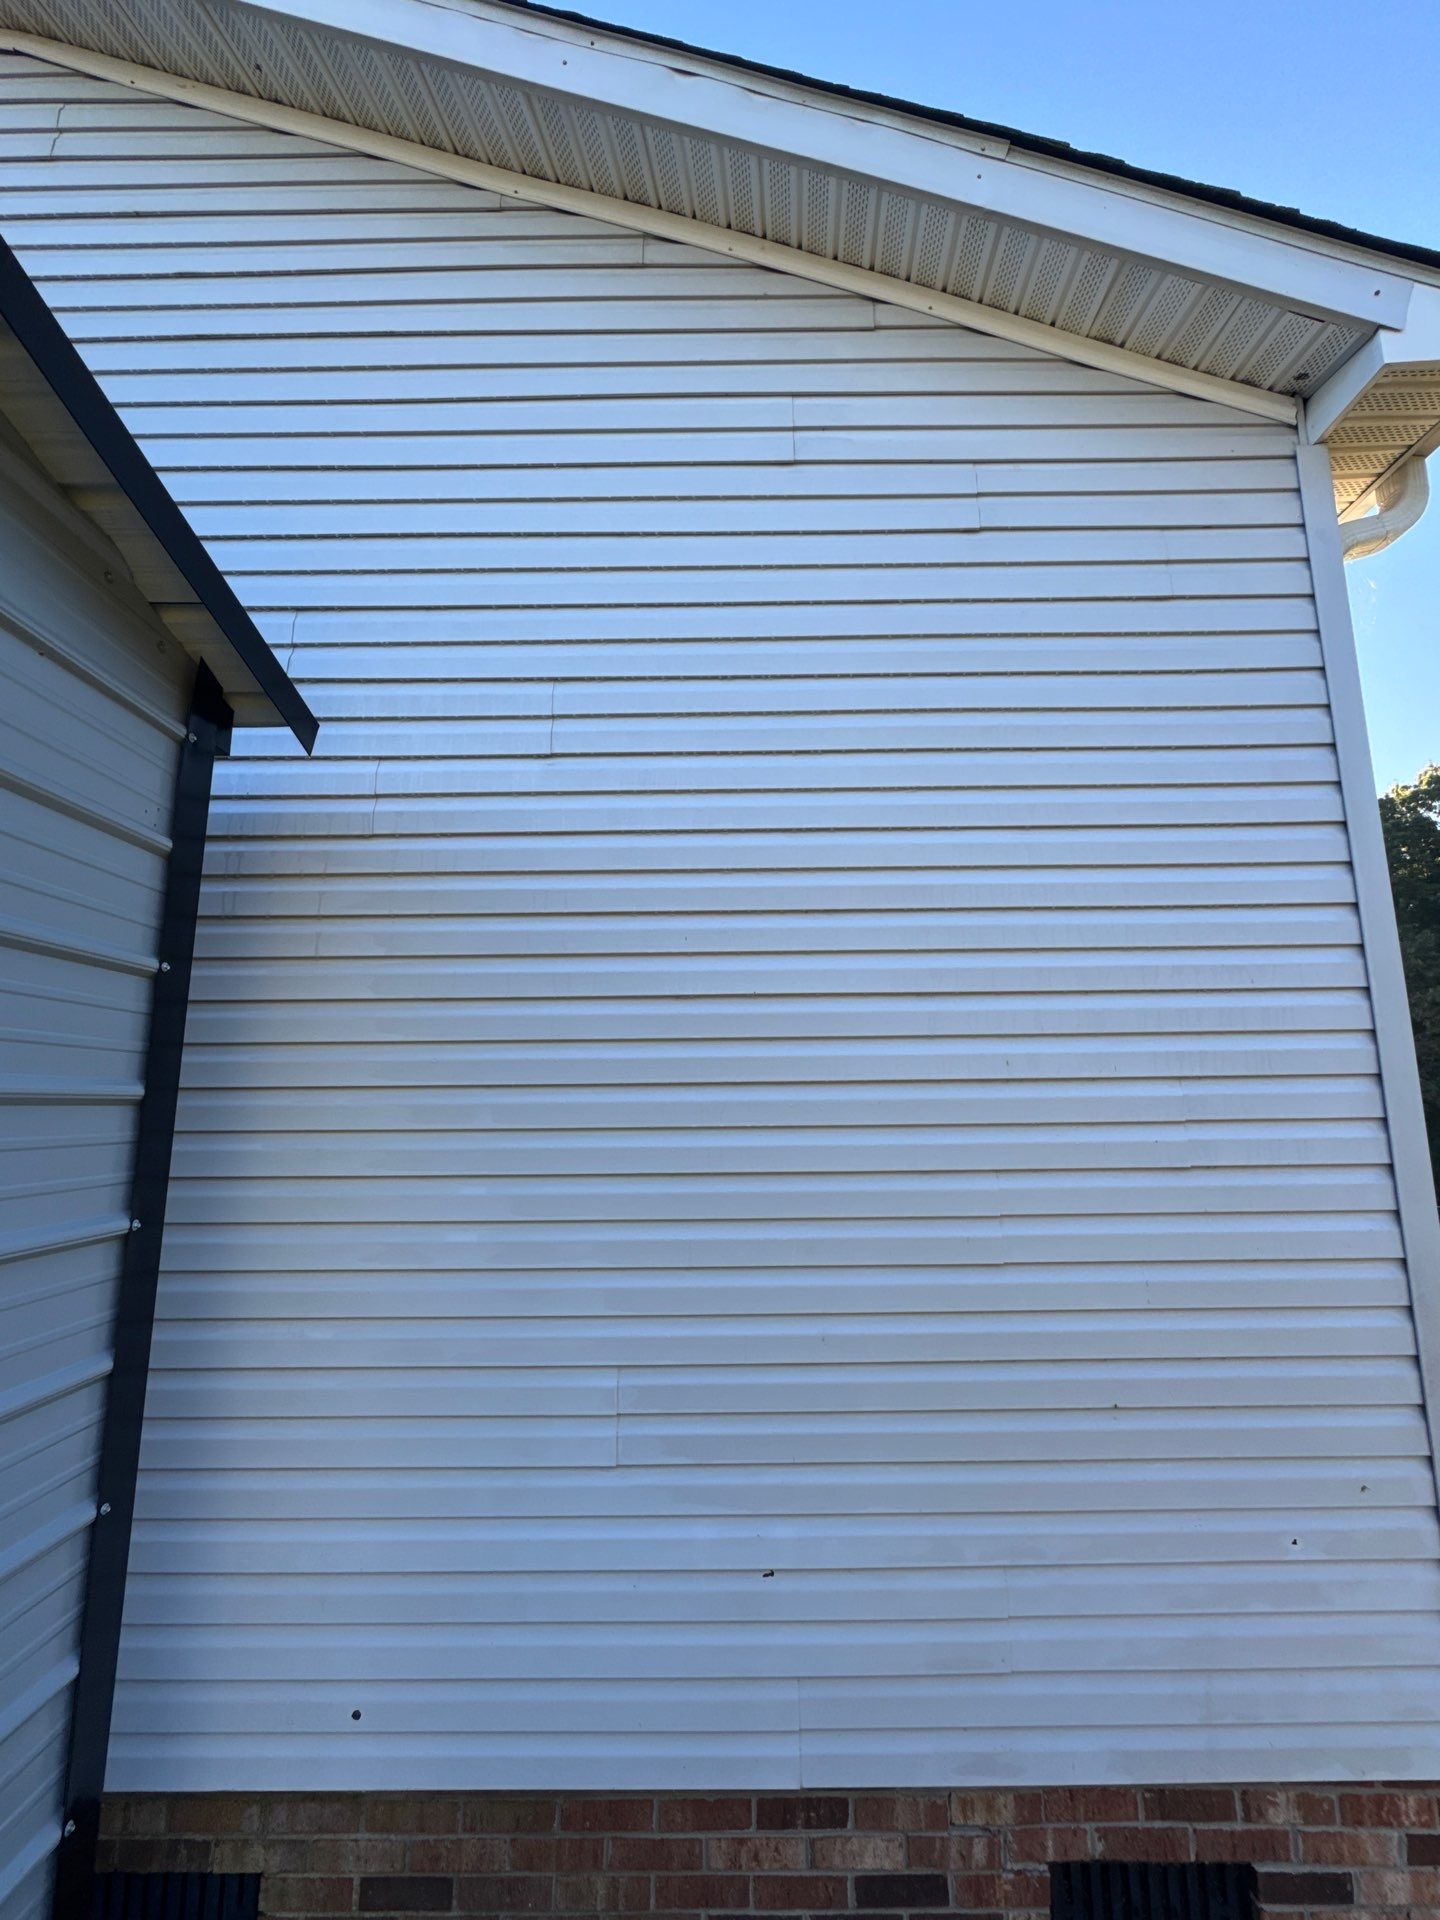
(1370, 1851)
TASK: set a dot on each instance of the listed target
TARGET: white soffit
(1397, 416)
(917, 203)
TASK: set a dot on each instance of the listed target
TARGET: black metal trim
(78, 391)
(207, 737)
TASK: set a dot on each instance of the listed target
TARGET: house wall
(92, 704)
(782, 1180)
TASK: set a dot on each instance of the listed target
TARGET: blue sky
(1315, 105)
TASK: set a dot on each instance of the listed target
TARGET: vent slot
(1110, 1890)
(176, 1896)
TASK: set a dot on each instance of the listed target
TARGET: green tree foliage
(1410, 816)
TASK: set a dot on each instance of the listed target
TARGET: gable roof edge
(864, 282)
(76, 395)
(808, 128)
(1014, 141)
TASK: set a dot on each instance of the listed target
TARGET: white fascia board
(1329, 403)
(1416, 344)
(929, 159)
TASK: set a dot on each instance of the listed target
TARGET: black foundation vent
(176, 1896)
(1110, 1890)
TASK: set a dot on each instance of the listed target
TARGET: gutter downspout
(1402, 497)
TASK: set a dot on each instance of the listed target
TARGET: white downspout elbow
(1402, 497)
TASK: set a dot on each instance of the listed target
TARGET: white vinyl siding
(782, 1176)
(92, 707)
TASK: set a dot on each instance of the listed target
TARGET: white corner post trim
(860, 281)
(1394, 1039)
(1402, 497)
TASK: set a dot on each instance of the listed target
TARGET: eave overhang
(57, 411)
(1200, 290)
(1382, 407)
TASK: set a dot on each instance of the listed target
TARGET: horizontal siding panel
(1381, 1751)
(853, 1016)
(797, 891)
(840, 620)
(781, 309)
(718, 591)
(889, 1339)
(284, 819)
(644, 1655)
(665, 416)
(89, 275)
(44, 198)
(338, 554)
(977, 370)
(199, 169)
(677, 1065)
(337, 1155)
(125, 142)
(682, 849)
(1138, 1701)
(680, 1294)
(552, 1439)
(370, 1600)
(866, 1197)
(1052, 414)
(689, 441)
(480, 279)
(749, 1546)
(1076, 1102)
(1126, 763)
(713, 1707)
(1053, 484)
(807, 1019)
(1003, 1489)
(345, 675)
(942, 931)
(708, 1760)
(423, 222)
(769, 516)
(547, 977)
(591, 1248)
(997, 1400)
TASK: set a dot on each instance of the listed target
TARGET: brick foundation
(1368, 1851)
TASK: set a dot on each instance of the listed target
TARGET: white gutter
(1402, 496)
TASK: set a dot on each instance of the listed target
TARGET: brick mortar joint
(1372, 1847)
